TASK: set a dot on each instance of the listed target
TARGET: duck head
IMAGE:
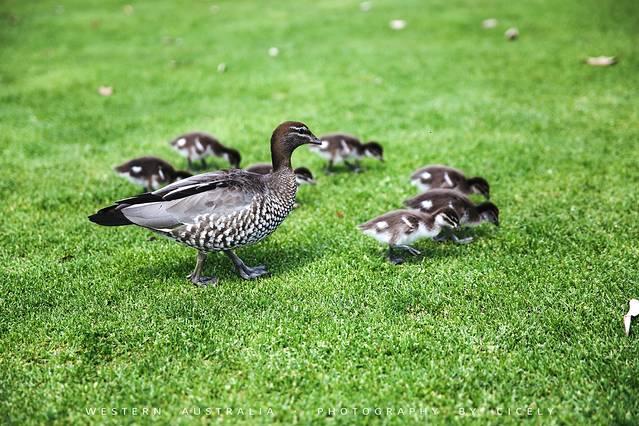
(373, 149)
(233, 156)
(286, 137)
(303, 176)
(479, 185)
(446, 218)
(488, 212)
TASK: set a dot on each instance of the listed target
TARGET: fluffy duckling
(399, 228)
(222, 210)
(303, 176)
(469, 213)
(198, 146)
(437, 176)
(338, 148)
(150, 172)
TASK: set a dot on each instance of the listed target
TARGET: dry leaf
(601, 61)
(397, 24)
(511, 34)
(633, 311)
(105, 90)
(128, 9)
(339, 214)
(489, 23)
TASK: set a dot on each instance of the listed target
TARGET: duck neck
(281, 161)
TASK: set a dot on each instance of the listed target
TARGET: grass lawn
(527, 316)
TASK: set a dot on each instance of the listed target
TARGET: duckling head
(374, 149)
(488, 212)
(446, 218)
(234, 157)
(304, 176)
(479, 185)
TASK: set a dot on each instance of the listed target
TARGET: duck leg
(409, 249)
(190, 162)
(443, 236)
(393, 257)
(203, 161)
(465, 240)
(244, 271)
(329, 167)
(356, 167)
(196, 276)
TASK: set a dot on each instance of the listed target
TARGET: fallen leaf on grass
(601, 61)
(633, 311)
(339, 214)
(489, 23)
(105, 90)
(511, 34)
(397, 24)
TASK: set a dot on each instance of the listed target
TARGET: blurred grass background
(527, 316)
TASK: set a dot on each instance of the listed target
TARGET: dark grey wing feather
(216, 193)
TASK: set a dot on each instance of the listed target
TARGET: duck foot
(203, 281)
(441, 237)
(355, 168)
(395, 259)
(196, 276)
(244, 271)
(458, 240)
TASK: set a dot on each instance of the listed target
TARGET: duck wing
(218, 194)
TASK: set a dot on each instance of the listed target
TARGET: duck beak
(315, 141)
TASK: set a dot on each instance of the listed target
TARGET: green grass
(529, 315)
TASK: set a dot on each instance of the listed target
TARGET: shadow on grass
(285, 259)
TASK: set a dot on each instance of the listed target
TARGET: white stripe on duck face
(302, 135)
(299, 128)
(181, 142)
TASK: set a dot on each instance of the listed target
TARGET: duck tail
(110, 216)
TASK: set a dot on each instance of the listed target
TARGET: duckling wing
(217, 194)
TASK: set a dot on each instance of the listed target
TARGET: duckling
(437, 176)
(303, 176)
(469, 213)
(150, 172)
(198, 146)
(337, 148)
(399, 228)
(222, 210)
